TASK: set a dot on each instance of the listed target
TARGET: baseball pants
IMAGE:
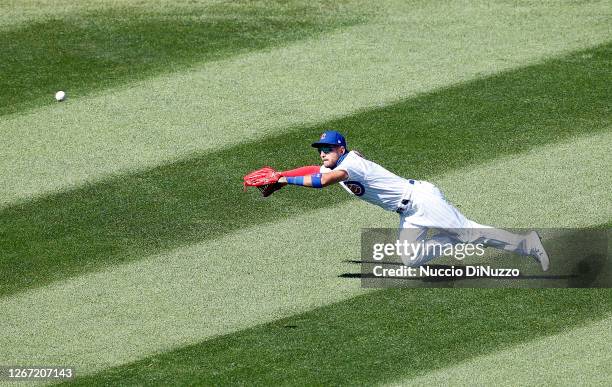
(428, 209)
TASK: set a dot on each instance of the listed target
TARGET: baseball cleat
(536, 250)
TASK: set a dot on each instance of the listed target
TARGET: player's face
(330, 155)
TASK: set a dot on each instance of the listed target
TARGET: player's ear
(342, 150)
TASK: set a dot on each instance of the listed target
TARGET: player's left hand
(265, 179)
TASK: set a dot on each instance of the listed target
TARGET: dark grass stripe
(380, 337)
(129, 217)
(83, 53)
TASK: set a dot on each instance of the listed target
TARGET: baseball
(60, 96)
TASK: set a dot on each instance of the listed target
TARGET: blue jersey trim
(341, 159)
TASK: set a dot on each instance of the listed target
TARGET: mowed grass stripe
(82, 53)
(184, 296)
(101, 49)
(27, 11)
(580, 356)
(427, 45)
(133, 216)
(375, 338)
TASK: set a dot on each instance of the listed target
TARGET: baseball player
(420, 205)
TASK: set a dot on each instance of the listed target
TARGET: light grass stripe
(525, 190)
(577, 357)
(409, 51)
(18, 12)
(263, 273)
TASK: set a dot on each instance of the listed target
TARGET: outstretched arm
(318, 180)
(301, 171)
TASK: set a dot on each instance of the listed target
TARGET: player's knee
(468, 235)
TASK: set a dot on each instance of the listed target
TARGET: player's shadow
(578, 260)
(588, 270)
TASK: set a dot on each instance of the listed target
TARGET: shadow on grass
(579, 259)
(132, 216)
(375, 338)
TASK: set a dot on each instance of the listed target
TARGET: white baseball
(60, 96)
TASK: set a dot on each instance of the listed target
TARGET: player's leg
(529, 245)
(438, 213)
(432, 210)
(492, 237)
(417, 249)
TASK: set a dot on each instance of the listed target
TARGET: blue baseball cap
(330, 137)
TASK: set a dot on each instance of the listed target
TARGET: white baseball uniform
(421, 207)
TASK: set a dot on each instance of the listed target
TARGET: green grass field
(130, 252)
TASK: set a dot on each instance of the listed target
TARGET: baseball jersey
(371, 182)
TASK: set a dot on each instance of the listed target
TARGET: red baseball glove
(265, 179)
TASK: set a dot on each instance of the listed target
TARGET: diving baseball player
(420, 205)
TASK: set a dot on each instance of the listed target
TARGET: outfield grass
(194, 293)
(578, 356)
(212, 105)
(130, 252)
(132, 216)
(395, 334)
(84, 52)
